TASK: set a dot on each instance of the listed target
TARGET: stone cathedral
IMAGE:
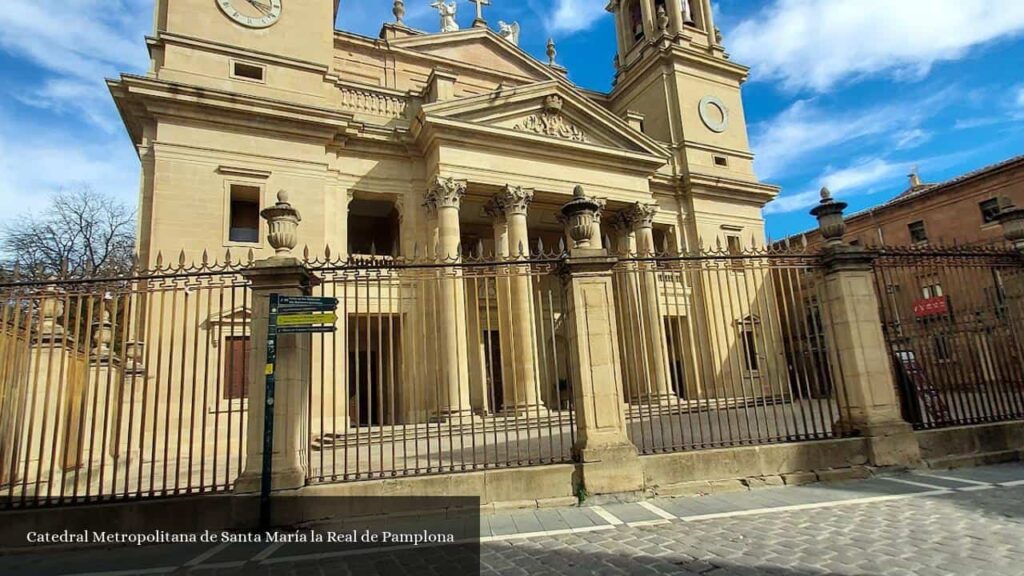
(416, 139)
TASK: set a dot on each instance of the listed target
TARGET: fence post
(285, 275)
(858, 346)
(608, 460)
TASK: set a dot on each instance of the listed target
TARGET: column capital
(494, 210)
(514, 199)
(640, 215)
(445, 192)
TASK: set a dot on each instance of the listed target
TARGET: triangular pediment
(549, 110)
(477, 48)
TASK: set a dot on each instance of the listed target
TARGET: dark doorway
(374, 370)
(492, 360)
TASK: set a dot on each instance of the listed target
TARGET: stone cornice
(184, 40)
(138, 97)
(717, 186)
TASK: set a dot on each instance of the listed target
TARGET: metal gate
(954, 322)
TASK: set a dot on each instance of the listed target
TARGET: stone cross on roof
(480, 22)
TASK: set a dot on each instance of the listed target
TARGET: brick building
(960, 211)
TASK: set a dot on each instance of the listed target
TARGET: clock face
(252, 13)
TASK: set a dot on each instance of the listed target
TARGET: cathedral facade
(420, 144)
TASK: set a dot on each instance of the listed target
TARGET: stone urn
(830, 218)
(1011, 219)
(102, 337)
(580, 217)
(283, 221)
(133, 352)
(51, 309)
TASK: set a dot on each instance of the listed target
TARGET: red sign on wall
(938, 306)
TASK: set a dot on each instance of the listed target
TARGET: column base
(610, 469)
(659, 399)
(287, 479)
(525, 411)
(890, 443)
(464, 416)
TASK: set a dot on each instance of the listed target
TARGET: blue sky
(852, 94)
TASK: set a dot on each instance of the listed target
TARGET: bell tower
(674, 79)
(640, 21)
(197, 39)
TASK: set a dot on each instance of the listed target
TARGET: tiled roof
(930, 189)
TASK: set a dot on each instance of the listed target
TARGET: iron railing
(121, 388)
(383, 401)
(745, 343)
(954, 324)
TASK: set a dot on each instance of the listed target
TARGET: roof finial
(398, 9)
(915, 177)
(551, 52)
(479, 22)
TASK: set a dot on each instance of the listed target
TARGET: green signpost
(288, 315)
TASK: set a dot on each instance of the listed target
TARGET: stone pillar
(647, 13)
(675, 14)
(284, 275)
(860, 357)
(608, 461)
(48, 362)
(443, 200)
(503, 301)
(652, 343)
(515, 201)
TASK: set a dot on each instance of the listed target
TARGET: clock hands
(265, 8)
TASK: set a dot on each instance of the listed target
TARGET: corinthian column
(652, 332)
(514, 201)
(443, 201)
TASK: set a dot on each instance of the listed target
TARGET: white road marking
(812, 506)
(641, 523)
(952, 479)
(207, 555)
(558, 532)
(657, 511)
(606, 515)
(918, 484)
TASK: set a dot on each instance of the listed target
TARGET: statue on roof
(508, 31)
(447, 13)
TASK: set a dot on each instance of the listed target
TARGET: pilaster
(284, 276)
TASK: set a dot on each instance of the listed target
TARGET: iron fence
(440, 367)
(136, 387)
(954, 322)
(121, 388)
(742, 343)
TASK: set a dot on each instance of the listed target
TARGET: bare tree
(81, 233)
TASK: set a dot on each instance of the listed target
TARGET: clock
(252, 13)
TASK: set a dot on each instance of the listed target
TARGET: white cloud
(570, 16)
(77, 43)
(816, 44)
(859, 177)
(805, 130)
(912, 138)
(34, 163)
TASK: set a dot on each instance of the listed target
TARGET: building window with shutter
(989, 210)
(918, 232)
